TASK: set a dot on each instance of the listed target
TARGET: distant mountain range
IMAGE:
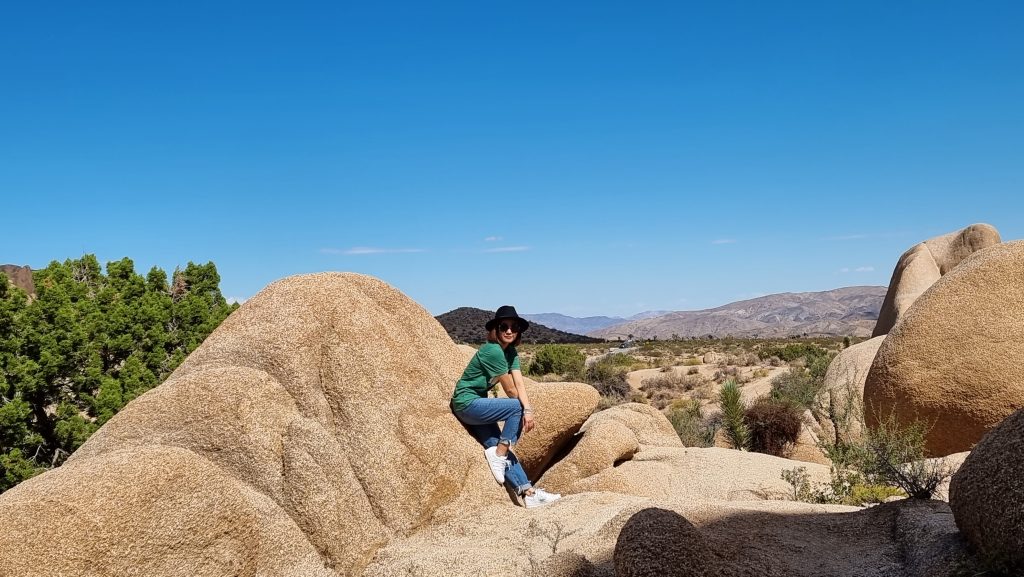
(466, 325)
(845, 311)
(585, 325)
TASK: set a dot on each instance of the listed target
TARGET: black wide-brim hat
(507, 312)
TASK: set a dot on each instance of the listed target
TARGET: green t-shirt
(482, 373)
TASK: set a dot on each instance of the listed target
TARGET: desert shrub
(796, 386)
(608, 375)
(663, 388)
(693, 371)
(865, 494)
(774, 426)
(726, 373)
(792, 352)
(761, 373)
(688, 420)
(733, 413)
(564, 360)
(693, 361)
(895, 455)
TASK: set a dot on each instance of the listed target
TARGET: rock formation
(658, 542)
(953, 360)
(310, 436)
(923, 264)
(20, 276)
(987, 496)
(839, 406)
(311, 428)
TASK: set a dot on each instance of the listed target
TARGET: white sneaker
(540, 497)
(498, 464)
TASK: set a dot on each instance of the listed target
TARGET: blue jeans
(481, 418)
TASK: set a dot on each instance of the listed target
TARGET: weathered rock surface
(312, 424)
(658, 542)
(987, 495)
(923, 264)
(560, 410)
(953, 360)
(839, 407)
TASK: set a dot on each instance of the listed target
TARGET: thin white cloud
(864, 269)
(724, 241)
(239, 300)
(358, 250)
(507, 249)
(844, 270)
(492, 239)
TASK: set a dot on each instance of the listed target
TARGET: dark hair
(492, 337)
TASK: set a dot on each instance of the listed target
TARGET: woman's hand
(528, 422)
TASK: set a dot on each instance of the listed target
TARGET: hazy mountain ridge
(586, 325)
(466, 325)
(843, 311)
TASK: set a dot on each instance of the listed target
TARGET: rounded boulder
(987, 496)
(953, 361)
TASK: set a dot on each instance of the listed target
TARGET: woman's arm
(514, 386)
(528, 422)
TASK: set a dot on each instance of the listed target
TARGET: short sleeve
(492, 360)
(513, 365)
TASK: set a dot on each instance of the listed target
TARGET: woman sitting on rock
(498, 362)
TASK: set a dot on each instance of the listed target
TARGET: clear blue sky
(576, 157)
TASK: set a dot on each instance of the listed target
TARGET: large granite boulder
(839, 406)
(926, 262)
(987, 495)
(661, 543)
(310, 429)
(953, 361)
(560, 409)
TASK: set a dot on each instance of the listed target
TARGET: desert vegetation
(85, 345)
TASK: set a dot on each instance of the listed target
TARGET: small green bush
(564, 360)
(688, 420)
(895, 455)
(774, 426)
(796, 386)
(733, 416)
(693, 361)
(608, 375)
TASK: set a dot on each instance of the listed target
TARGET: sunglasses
(504, 327)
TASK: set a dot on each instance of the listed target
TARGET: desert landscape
(310, 435)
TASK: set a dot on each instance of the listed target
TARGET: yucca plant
(733, 416)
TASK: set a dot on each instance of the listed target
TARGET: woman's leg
(516, 476)
(490, 411)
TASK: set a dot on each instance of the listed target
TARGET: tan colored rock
(601, 447)
(953, 360)
(661, 543)
(648, 424)
(807, 447)
(560, 410)
(713, 358)
(321, 406)
(987, 495)
(924, 263)
(161, 511)
(839, 407)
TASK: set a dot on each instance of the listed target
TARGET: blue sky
(576, 157)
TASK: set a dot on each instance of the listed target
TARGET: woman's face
(508, 330)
